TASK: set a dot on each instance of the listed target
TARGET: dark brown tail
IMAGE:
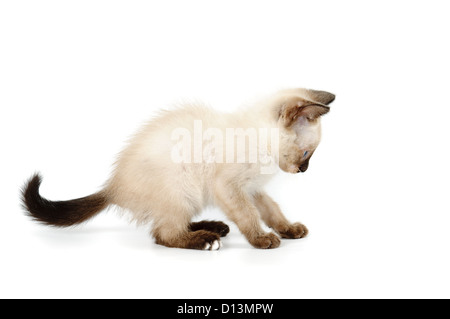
(59, 213)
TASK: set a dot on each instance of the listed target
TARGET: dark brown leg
(200, 239)
(178, 233)
(210, 225)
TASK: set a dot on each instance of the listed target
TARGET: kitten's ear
(297, 107)
(321, 96)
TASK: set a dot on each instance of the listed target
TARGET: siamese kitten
(192, 157)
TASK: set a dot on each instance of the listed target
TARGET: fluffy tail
(60, 213)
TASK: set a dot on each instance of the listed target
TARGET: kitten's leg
(172, 232)
(273, 217)
(240, 209)
(214, 226)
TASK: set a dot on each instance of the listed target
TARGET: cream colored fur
(148, 183)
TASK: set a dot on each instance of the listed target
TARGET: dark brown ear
(321, 96)
(297, 107)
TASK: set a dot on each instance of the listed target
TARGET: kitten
(192, 157)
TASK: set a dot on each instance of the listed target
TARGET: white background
(78, 77)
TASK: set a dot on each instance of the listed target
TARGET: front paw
(293, 231)
(266, 241)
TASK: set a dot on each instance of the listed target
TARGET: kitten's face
(300, 129)
(298, 143)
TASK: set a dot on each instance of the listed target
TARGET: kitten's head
(298, 112)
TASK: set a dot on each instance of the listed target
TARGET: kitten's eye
(306, 153)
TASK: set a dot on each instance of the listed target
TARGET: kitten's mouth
(294, 169)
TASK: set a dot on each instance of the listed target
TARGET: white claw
(216, 245)
(207, 247)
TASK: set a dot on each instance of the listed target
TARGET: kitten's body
(155, 188)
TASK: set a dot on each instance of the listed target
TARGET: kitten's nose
(303, 167)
